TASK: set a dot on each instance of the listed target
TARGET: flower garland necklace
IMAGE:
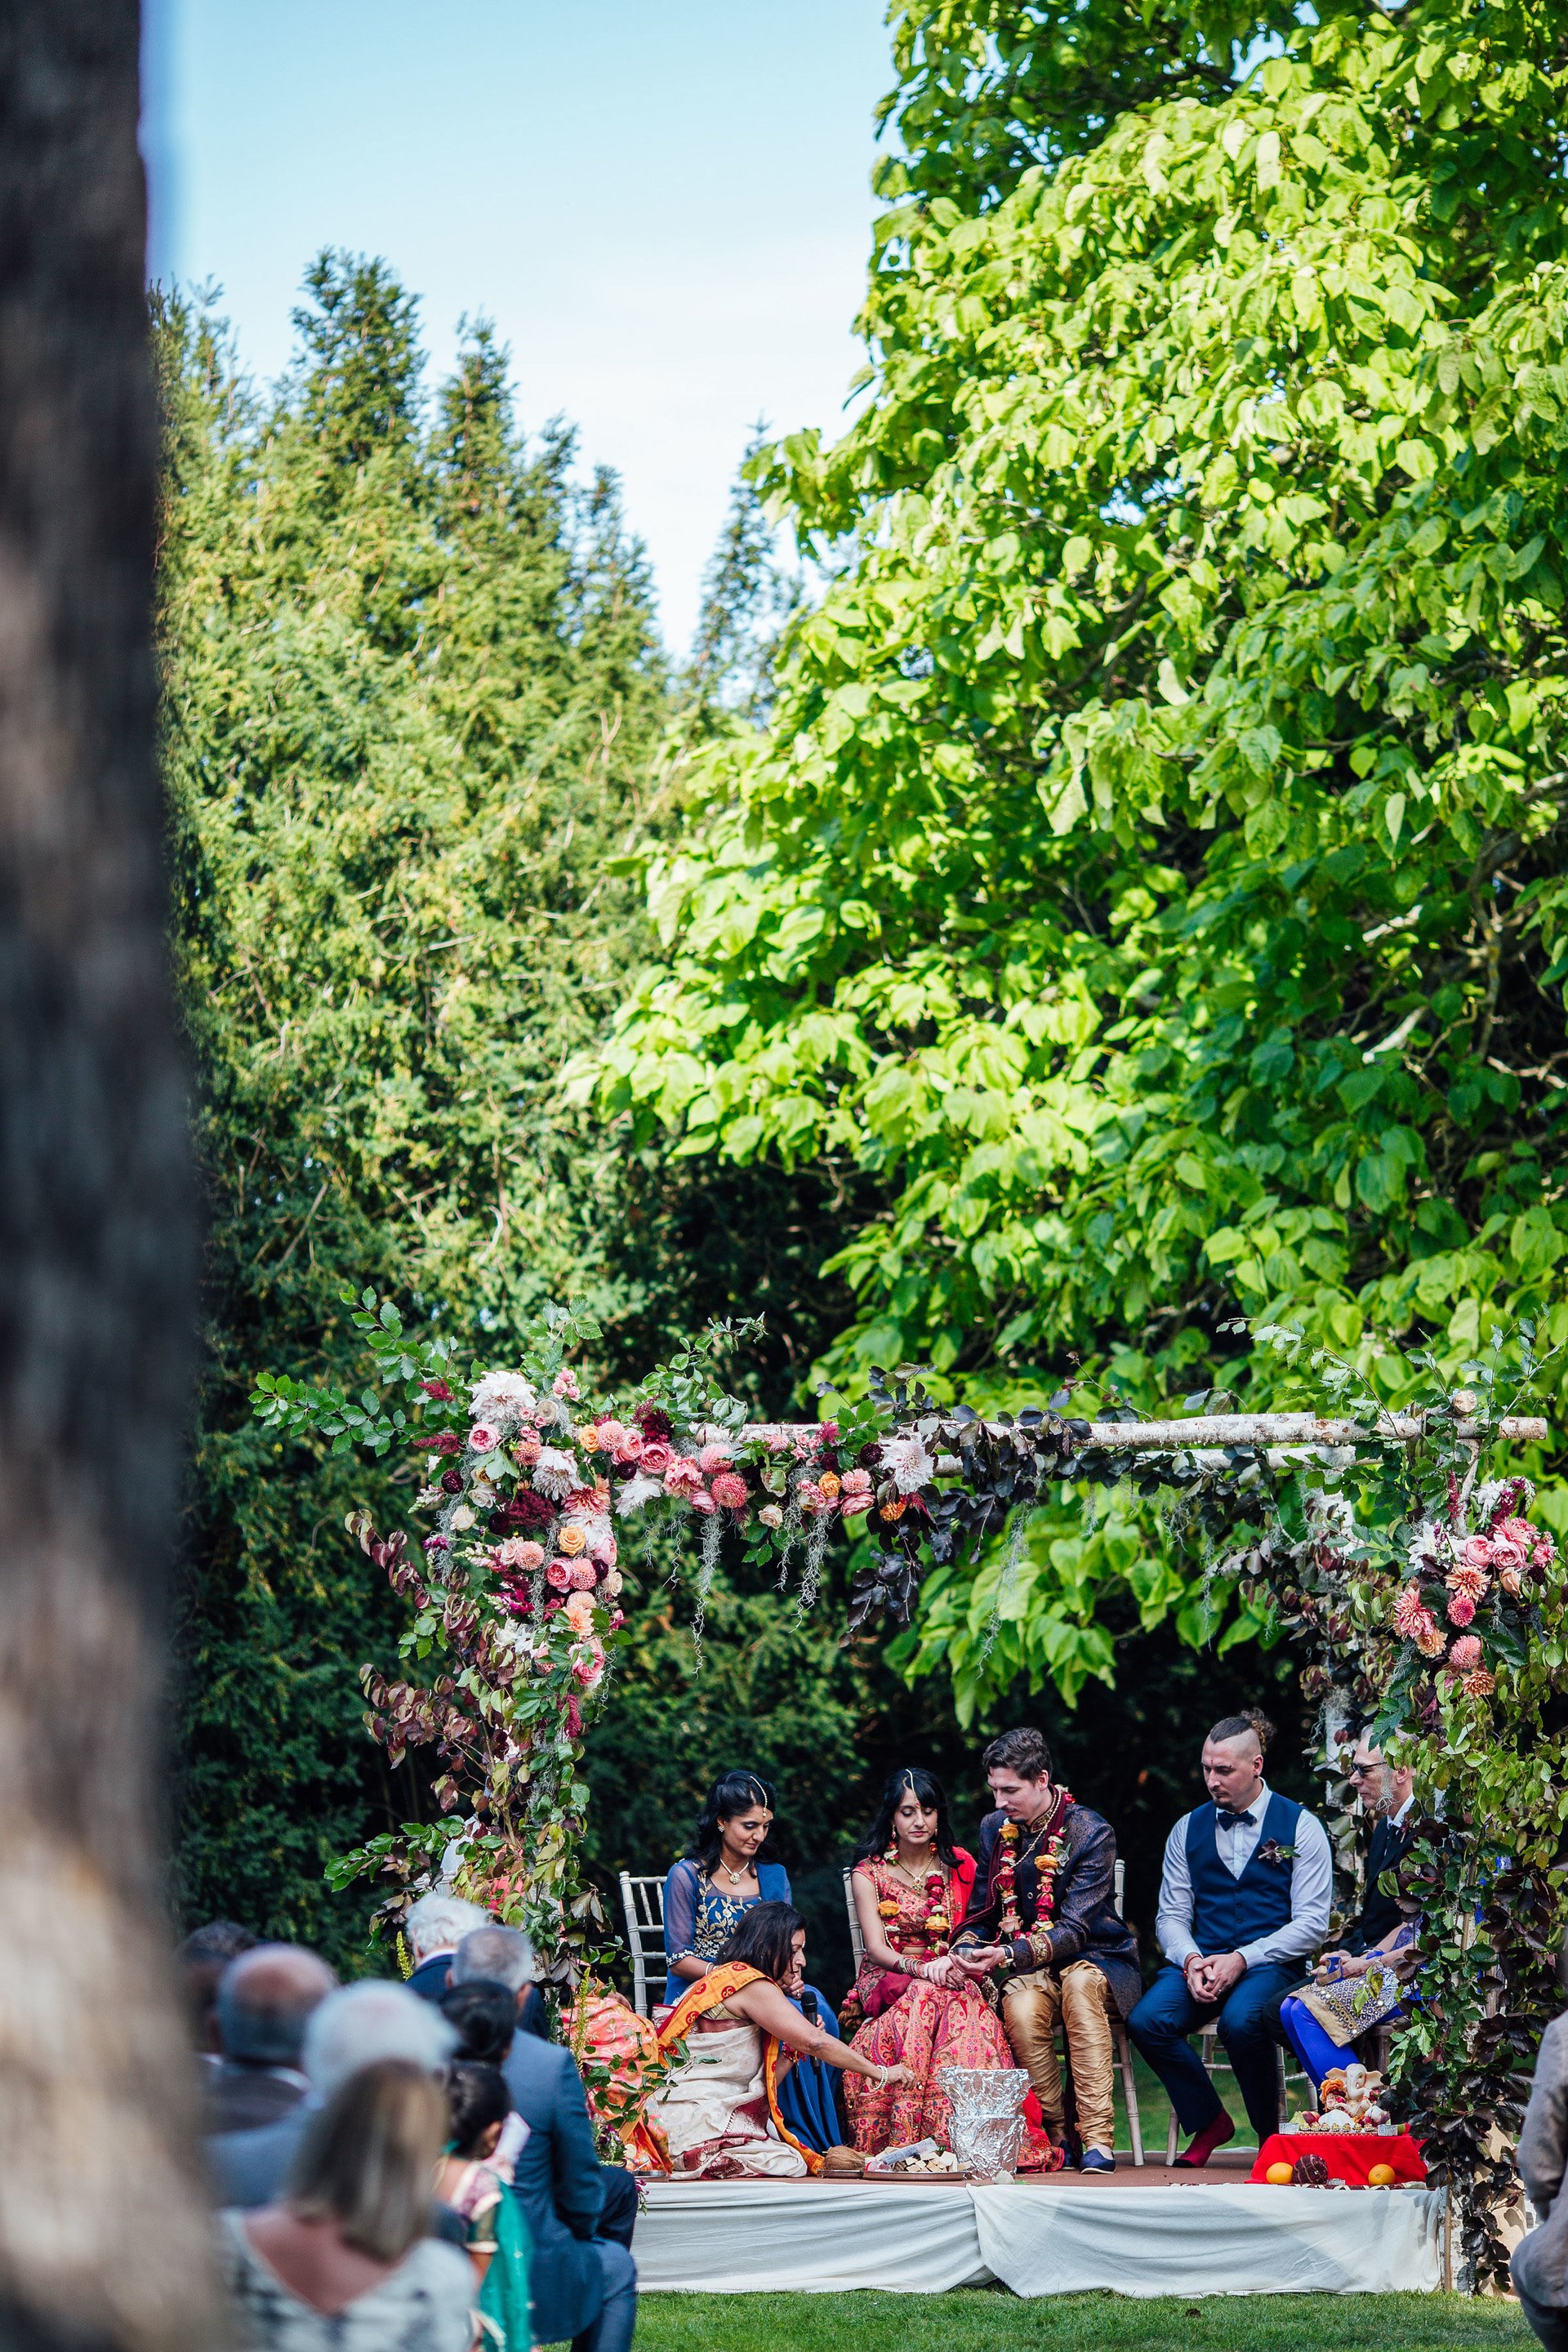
(1046, 1863)
(936, 1920)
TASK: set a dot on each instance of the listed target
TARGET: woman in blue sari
(705, 1897)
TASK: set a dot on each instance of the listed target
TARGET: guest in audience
(1243, 1900)
(483, 2016)
(1380, 1931)
(433, 1929)
(357, 2026)
(344, 2261)
(1070, 1957)
(742, 2022)
(264, 2000)
(1540, 2259)
(579, 2212)
(530, 2013)
(201, 1960)
(707, 1894)
(479, 2105)
(911, 1886)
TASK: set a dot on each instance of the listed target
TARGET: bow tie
(1228, 1814)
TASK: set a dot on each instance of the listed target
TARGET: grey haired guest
(264, 2002)
(432, 1929)
(357, 2026)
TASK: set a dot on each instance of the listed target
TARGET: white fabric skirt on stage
(824, 2237)
(714, 2108)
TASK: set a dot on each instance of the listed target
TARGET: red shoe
(1203, 2144)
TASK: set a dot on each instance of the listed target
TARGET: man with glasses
(1380, 1929)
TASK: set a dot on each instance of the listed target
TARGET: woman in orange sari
(720, 2109)
(911, 1885)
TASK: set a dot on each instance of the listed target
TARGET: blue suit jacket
(559, 2187)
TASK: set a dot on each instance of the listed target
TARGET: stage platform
(1135, 2233)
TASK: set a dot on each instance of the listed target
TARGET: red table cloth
(1350, 2156)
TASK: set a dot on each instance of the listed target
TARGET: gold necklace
(910, 1873)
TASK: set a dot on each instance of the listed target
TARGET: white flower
(636, 1492)
(555, 1474)
(462, 1518)
(502, 1396)
(908, 1462)
(1429, 1547)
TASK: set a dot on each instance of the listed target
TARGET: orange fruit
(1279, 2175)
(1382, 2176)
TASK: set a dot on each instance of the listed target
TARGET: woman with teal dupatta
(495, 2233)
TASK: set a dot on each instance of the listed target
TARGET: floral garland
(1047, 1862)
(1465, 1606)
(935, 1923)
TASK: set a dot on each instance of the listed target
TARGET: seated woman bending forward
(720, 2109)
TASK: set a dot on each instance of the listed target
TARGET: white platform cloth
(743, 2237)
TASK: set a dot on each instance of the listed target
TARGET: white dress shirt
(1311, 1886)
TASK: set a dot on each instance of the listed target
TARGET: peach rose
(828, 1486)
(573, 1539)
(657, 1457)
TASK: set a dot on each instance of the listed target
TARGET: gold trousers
(1081, 1998)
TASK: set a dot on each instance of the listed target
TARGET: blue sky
(663, 204)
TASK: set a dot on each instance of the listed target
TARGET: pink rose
(714, 1457)
(853, 1505)
(729, 1491)
(702, 1501)
(1466, 1653)
(558, 1576)
(483, 1438)
(683, 1477)
(602, 1545)
(1461, 1609)
(657, 1457)
(1477, 1551)
(584, 1576)
(776, 1441)
(857, 1481)
(565, 1385)
(628, 1449)
(1512, 1582)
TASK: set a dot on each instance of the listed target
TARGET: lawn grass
(978, 2319)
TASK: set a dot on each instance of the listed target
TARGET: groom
(1055, 1935)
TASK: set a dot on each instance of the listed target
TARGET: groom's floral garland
(1047, 1862)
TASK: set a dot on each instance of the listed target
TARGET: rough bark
(102, 2232)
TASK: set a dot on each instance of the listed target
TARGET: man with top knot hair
(1244, 1900)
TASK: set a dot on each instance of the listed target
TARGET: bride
(719, 2110)
(909, 2002)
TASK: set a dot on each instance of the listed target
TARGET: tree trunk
(103, 2240)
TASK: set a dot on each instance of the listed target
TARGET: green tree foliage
(412, 692)
(411, 681)
(1152, 879)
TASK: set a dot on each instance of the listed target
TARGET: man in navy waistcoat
(1243, 1901)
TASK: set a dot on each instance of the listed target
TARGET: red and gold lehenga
(909, 2021)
